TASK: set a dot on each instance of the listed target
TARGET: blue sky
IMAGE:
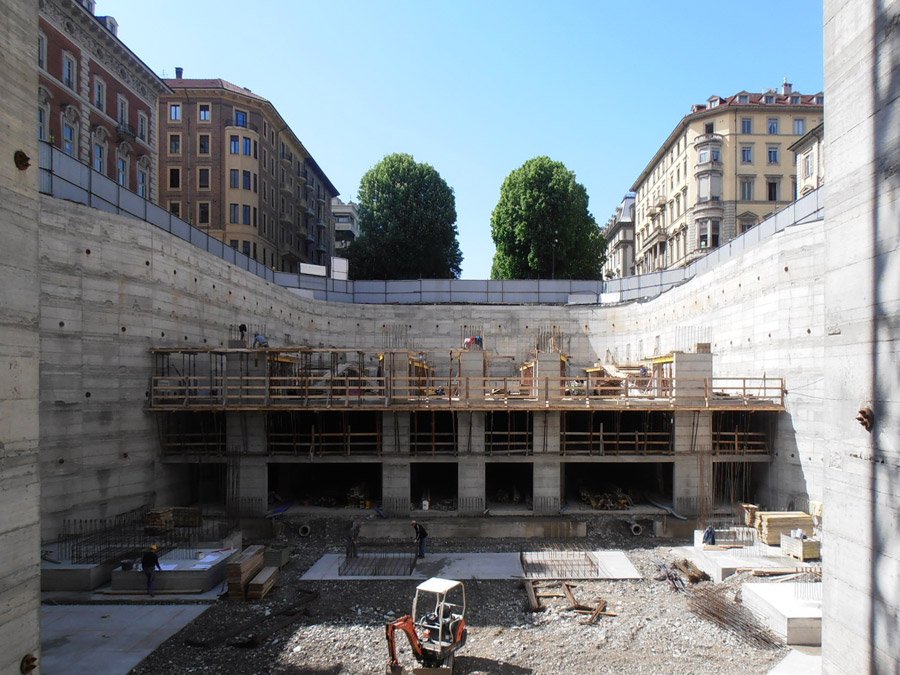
(476, 88)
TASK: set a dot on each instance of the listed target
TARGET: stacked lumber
(160, 520)
(262, 583)
(241, 568)
(750, 511)
(801, 549)
(276, 557)
(186, 516)
(773, 524)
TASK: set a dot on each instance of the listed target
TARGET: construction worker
(352, 538)
(149, 564)
(259, 340)
(421, 536)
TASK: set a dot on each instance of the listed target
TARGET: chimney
(787, 88)
(178, 72)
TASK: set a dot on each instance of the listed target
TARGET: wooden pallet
(262, 583)
(801, 549)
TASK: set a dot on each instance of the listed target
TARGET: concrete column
(395, 486)
(20, 490)
(249, 489)
(547, 485)
(471, 482)
(471, 373)
(548, 368)
(245, 433)
(470, 433)
(395, 433)
(546, 428)
(690, 477)
(690, 372)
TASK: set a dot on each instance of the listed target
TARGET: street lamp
(553, 257)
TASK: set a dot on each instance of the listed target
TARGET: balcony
(322, 246)
(287, 158)
(286, 189)
(708, 138)
(285, 218)
(310, 209)
(712, 166)
(709, 208)
(125, 132)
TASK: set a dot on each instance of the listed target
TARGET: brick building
(234, 168)
(97, 101)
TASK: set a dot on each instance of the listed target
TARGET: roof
(816, 132)
(214, 83)
(438, 585)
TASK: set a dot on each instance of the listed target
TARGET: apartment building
(97, 101)
(809, 156)
(619, 233)
(346, 224)
(234, 168)
(722, 170)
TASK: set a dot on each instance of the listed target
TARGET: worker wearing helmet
(149, 564)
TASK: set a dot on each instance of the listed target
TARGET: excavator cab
(436, 629)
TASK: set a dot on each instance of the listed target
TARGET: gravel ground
(342, 630)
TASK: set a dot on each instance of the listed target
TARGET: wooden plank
(601, 607)
(534, 604)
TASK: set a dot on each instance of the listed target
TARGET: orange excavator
(436, 629)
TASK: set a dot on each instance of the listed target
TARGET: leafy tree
(542, 228)
(407, 216)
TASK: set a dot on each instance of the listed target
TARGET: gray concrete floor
(107, 639)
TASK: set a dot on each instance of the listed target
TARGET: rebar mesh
(559, 563)
(382, 564)
(718, 605)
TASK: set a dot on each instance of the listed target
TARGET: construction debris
(691, 571)
(669, 573)
(241, 568)
(160, 520)
(714, 604)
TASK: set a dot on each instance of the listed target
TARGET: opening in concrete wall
(738, 482)
(597, 486)
(192, 433)
(743, 431)
(324, 432)
(509, 486)
(433, 486)
(432, 432)
(508, 432)
(332, 485)
(208, 485)
(630, 432)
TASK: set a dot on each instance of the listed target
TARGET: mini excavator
(436, 629)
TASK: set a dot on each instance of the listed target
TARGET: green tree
(407, 216)
(542, 228)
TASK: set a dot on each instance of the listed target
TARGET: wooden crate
(801, 549)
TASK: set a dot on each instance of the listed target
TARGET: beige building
(346, 224)
(619, 233)
(232, 167)
(724, 168)
(810, 160)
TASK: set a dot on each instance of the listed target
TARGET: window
(709, 233)
(254, 216)
(746, 189)
(246, 213)
(68, 144)
(245, 246)
(234, 244)
(770, 99)
(175, 112)
(820, 100)
(122, 110)
(795, 99)
(204, 115)
(99, 94)
(807, 165)
(799, 126)
(746, 223)
(203, 144)
(254, 250)
(122, 171)
(772, 190)
(174, 178)
(234, 178)
(240, 118)
(246, 176)
(746, 125)
(255, 182)
(255, 148)
(715, 154)
(69, 70)
(42, 124)
(142, 183)
(233, 213)
(709, 127)
(175, 209)
(247, 146)
(203, 213)
(174, 144)
(203, 179)
(235, 145)
(773, 155)
(142, 126)
(773, 125)
(42, 51)
(97, 155)
(743, 98)
(703, 155)
(709, 187)
(746, 154)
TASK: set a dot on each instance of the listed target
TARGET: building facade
(723, 168)
(233, 167)
(97, 101)
(346, 224)
(809, 157)
(619, 234)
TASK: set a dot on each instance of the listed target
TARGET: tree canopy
(542, 228)
(407, 222)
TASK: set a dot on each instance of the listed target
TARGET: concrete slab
(107, 639)
(800, 662)
(783, 608)
(720, 565)
(201, 573)
(610, 565)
